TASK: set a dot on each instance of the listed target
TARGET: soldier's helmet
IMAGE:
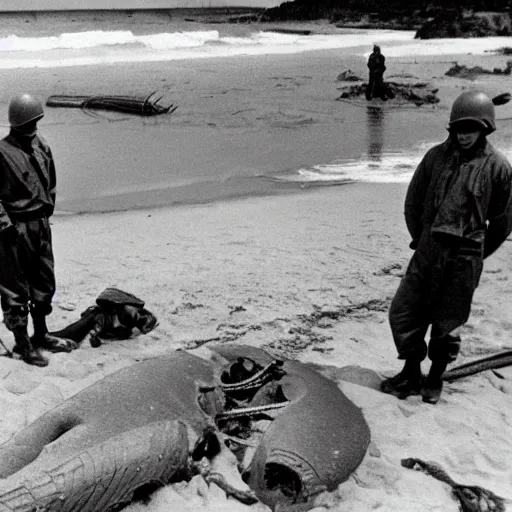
(23, 109)
(474, 106)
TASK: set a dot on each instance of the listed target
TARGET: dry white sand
(255, 271)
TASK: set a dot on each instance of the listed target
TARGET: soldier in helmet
(27, 200)
(458, 210)
(376, 66)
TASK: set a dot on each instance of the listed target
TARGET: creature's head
(314, 439)
(283, 481)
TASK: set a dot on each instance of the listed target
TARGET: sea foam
(108, 47)
(70, 49)
(385, 167)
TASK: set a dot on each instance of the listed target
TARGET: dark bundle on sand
(348, 76)
(143, 106)
(473, 72)
(417, 93)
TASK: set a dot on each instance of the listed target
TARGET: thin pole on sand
(8, 353)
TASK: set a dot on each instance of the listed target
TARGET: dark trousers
(27, 277)
(375, 86)
(437, 291)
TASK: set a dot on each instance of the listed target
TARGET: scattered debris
(186, 306)
(229, 333)
(489, 362)
(419, 93)
(473, 72)
(402, 75)
(301, 332)
(390, 270)
(292, 31)
(502, 99)
(139, 105)
(236, 309)
(505, 50)
(348, 76)
(471, 497)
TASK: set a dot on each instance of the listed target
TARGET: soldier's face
(468, 139)
(28, 129)
(468, 133)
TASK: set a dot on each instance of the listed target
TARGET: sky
(47, 5)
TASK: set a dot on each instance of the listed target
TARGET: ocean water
(123, 46)
(93, 47)
(383, 153)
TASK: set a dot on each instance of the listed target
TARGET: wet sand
(237, 119)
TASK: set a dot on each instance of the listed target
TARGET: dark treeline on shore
(438, 18)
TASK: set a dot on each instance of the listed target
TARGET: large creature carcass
(294, 432)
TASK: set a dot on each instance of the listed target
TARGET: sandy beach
(304, 271)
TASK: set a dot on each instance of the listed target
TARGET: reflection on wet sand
(375, 132)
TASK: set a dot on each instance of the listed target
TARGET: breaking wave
(102, 47)
(388, 167)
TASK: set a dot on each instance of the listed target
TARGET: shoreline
(240, 122)
(204, 193)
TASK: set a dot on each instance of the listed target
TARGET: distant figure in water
(27, 201)
(458, 210)
(376, 66)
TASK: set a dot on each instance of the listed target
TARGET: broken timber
(143, 106)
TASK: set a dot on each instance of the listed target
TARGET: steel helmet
(474, 106)
(23, 109)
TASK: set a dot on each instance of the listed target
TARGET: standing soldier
(27, 200)
(376, 65)
(458, 211)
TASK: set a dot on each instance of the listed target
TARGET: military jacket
(27, 179)
(468, 199)
(376, 63)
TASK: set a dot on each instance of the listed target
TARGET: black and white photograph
(255, 256)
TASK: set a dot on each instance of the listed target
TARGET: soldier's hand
(10, 234)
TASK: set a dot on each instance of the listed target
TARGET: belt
(40, 213)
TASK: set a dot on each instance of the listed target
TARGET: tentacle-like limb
(105, 475)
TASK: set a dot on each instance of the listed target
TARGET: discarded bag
(117, 315)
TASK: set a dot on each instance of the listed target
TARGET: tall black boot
(433, 386)
(24, 348)
(43, 339)
(408, 382)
